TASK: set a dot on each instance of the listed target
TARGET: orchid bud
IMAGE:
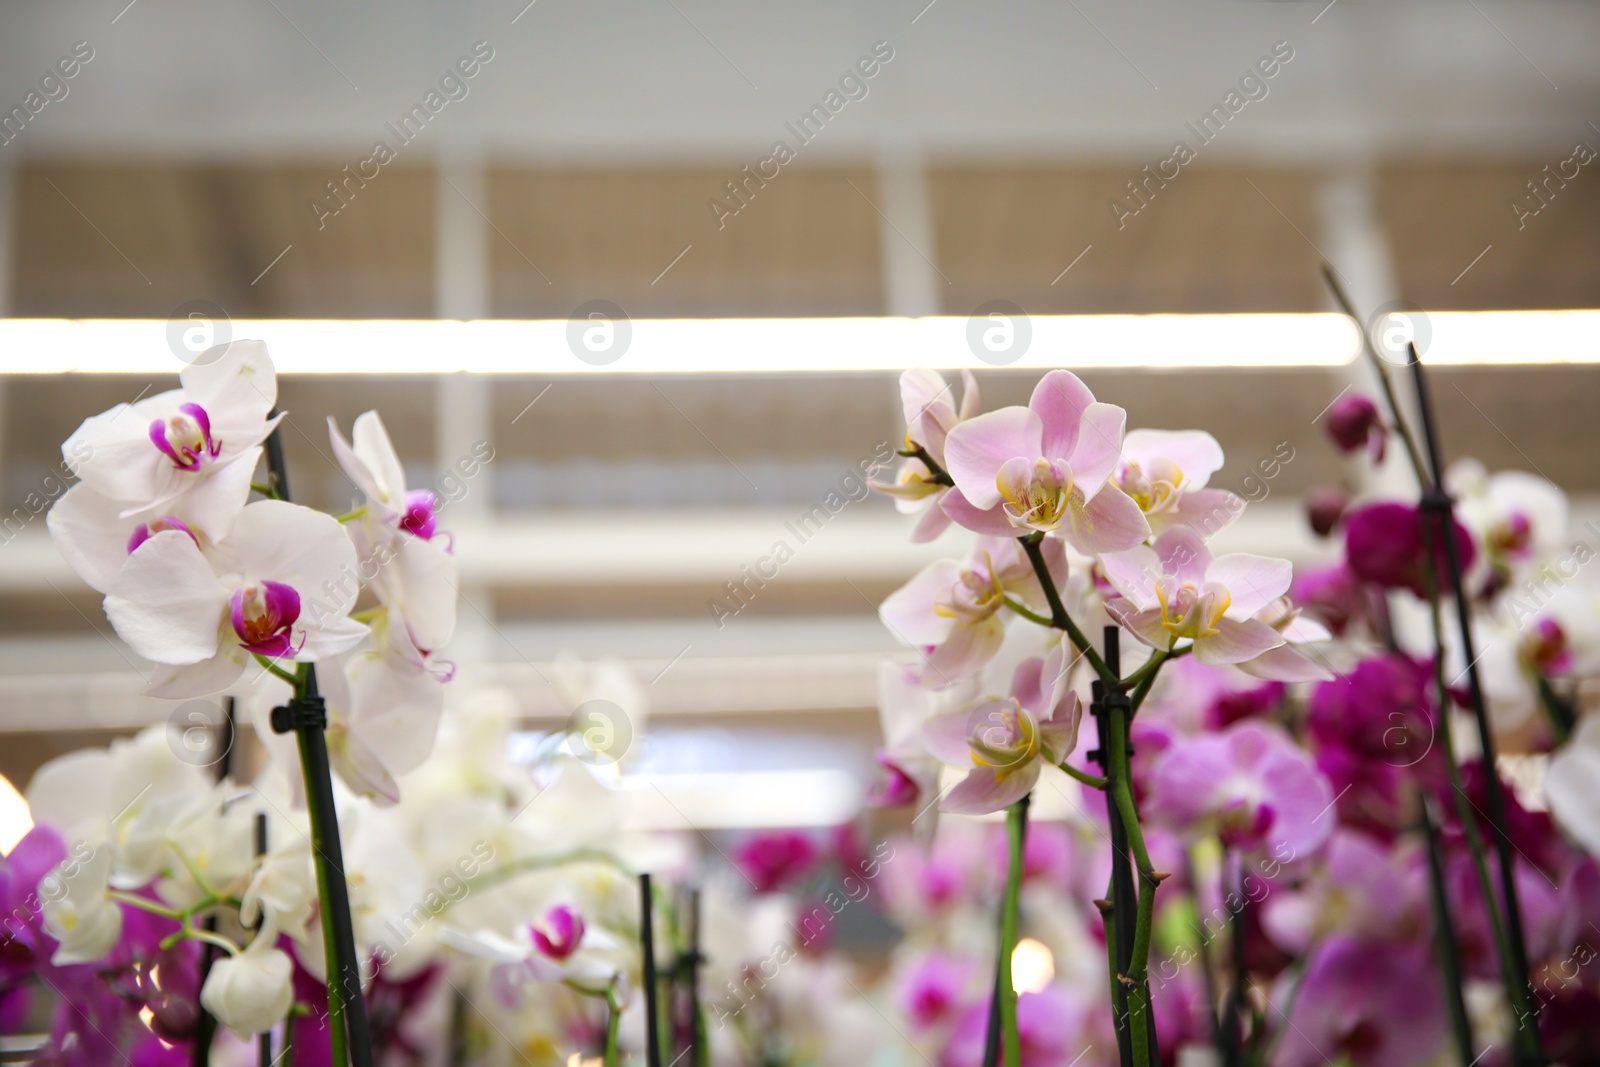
(1325, 507)
(250, 992)
(1354, 422)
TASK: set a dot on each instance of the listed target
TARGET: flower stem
(1140, 1021)
(1058, 611)
(274, 669)
(351, 516)
(613, 1021)
(1010, 1042)
(1083, 776)
(1027, 612)
(338, 1034)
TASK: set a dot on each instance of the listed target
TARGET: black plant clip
(310, 712)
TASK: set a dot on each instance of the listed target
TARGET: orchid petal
(87, 530)
(1205, 510)
(299, 547)
(1110, 522)
(983, 791)
(1286, 663)
(376, 452)
(1184, 555)
(1060, 399)
(1197, 453)
(166, 602)
(1134, 573)
(977, 448)
(964, 653)
(1099, 448)
(946, 738)
(935, 521)
(1236, 641)
(1252, 581)
(198, 679)
(908, 612)
(237, 386)
(395, 710)
(991, 521)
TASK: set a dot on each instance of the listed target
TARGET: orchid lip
(186, 438)
(263, 615)
(421, 514)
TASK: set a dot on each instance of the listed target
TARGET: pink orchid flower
(1178, 591)
(1250, 785)
(931, 414)
(280, 585)
(1007, 740)
(188, 451)
(1045, 467)
(952, 611)
(1297, 659)
(1165, 472)
(405, 556)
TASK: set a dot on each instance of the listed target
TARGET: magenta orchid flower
(1046, 467)
(1383, 543)
(279, 585)
(187, 452)
(1250, 785)
(1177, 591)
(952, 611)
(931, 414)
(1005, 741)
(1354, 423)
(1165, 472)
(405, 556)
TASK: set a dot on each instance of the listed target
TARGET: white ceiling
(652, 80)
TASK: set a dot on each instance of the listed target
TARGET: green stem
(1058, 611)
(1083, 776)
(1139, 1016)
(351, 516)
(1027, 612)
(1010, 1042)
(273, 668)
(1458, 793)
(613, 1021)
(338, 1035)
(133, 900)
(1558, 710)
(265, 490)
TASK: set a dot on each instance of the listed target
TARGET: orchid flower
(187, 452)
(1569, 785)
(952, 611)
(1177, 591)
(931, 414)
(1007, 740)
(562, 947)
(1165, 473)
(1249, 785)
(278, 586)
(1046, 467)
(397, 538)
(1515, 516)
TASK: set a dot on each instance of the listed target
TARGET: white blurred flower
(77, 912)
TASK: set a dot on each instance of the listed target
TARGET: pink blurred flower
(936, 989)
(1049, 1024)
(1368, 1002)
(777, 859)
(1383, 543)
(1251, 786)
